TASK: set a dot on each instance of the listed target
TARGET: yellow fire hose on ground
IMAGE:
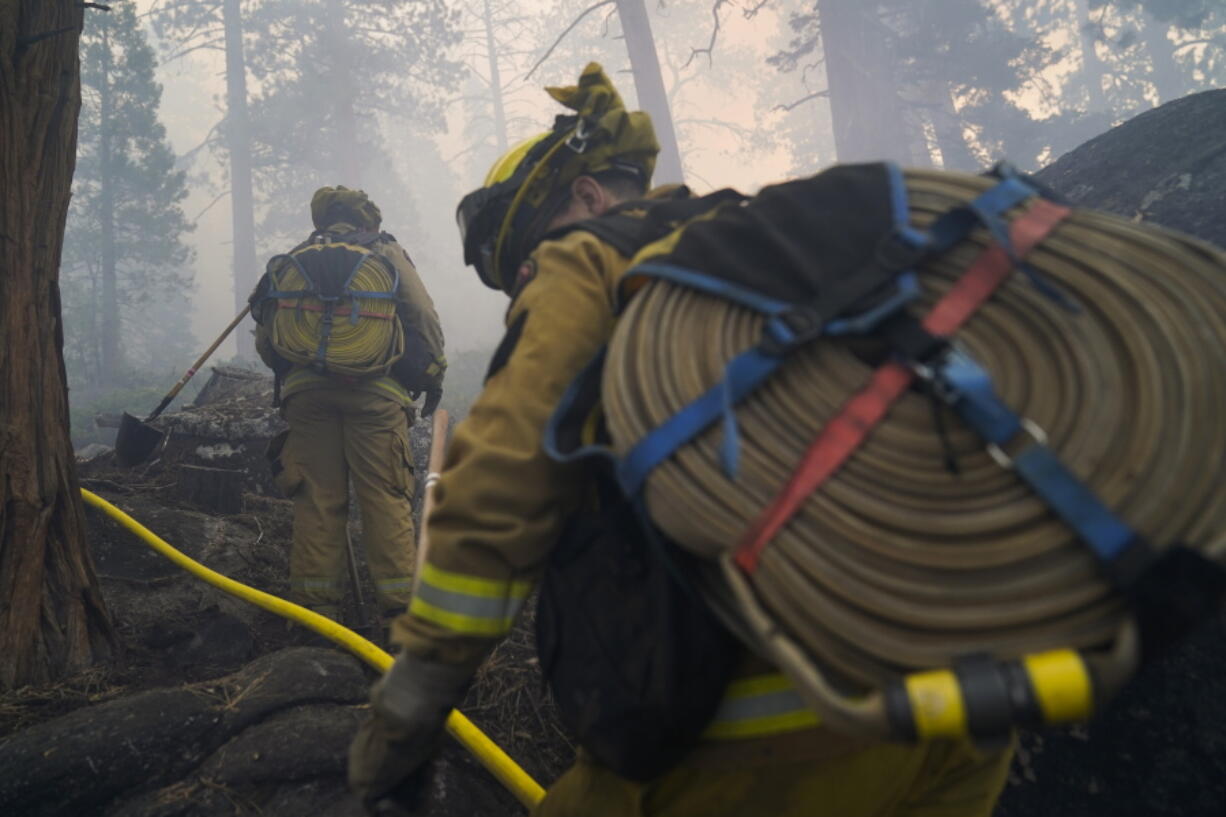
(516, 780)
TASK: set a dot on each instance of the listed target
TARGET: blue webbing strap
(297, 293)
(354, 294)
(968, 388)
(587, 379)
(907, 290)
(900, 209)
(743, 374)
(1073, 502)
(714, 286)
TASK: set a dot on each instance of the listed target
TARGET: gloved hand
(433, 397)
(409, 706)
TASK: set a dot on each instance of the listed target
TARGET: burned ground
(216, 707)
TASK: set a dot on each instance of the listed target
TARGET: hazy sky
(471, 314)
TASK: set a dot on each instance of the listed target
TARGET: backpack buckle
(789, 329)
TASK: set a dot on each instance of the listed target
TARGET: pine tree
(337, 79)
(219, 25)
(124, 256)
(912, 79)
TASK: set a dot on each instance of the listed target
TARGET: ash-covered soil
(216, 707)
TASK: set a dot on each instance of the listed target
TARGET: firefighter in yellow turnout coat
(502, 503)
(347, 427)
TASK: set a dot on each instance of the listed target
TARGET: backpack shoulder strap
(632, 225)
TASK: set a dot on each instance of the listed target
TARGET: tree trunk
(956, 154)
(109, 312)
(52, 618)
(869, 123)
(649, 84)
(1091, 66)
(238, 145)
(347, 147)
(500, 116)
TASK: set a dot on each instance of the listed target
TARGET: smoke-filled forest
(402, 412)
(206, 125)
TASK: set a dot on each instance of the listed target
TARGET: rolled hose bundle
(896, 564)
(354, 348)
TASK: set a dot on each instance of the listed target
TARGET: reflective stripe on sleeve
(760, 706)
(469, 605)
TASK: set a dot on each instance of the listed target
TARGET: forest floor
(213, 706)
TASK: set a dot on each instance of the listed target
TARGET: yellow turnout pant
(336, 434)
(944, 779)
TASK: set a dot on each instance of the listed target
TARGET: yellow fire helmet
(332, 204)
(502, 221)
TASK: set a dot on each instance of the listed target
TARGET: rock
(81, 762)
(92, 452)
(219, 490)
(1167, 165)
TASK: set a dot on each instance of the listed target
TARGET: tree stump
(214, 489)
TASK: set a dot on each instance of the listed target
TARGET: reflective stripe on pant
(337, 435)
(758, 706)
(945, 779)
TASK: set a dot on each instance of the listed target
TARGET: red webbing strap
(840, 437)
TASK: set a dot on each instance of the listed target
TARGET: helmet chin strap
(538, 227)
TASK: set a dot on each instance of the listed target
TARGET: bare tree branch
(220, 196)
(464, 152)
(190, 155)
(216, 44)
(804, 72)
(694, 52)
(568, 30)
(604, 27)
(753, 10)
(801, 101)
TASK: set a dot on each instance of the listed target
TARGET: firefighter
(347, 393)
(502, 504)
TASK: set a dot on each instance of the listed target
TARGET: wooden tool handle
(438, 448)
(199, 362)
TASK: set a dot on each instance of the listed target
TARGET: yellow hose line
(499, 763)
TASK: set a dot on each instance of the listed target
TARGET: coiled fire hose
(507, 772)
(896, 566)
(355, 347)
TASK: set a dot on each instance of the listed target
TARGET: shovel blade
(135, 441)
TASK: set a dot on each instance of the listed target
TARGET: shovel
(136, 438)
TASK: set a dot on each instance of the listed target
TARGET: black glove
(433, 397)
(409, 707)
